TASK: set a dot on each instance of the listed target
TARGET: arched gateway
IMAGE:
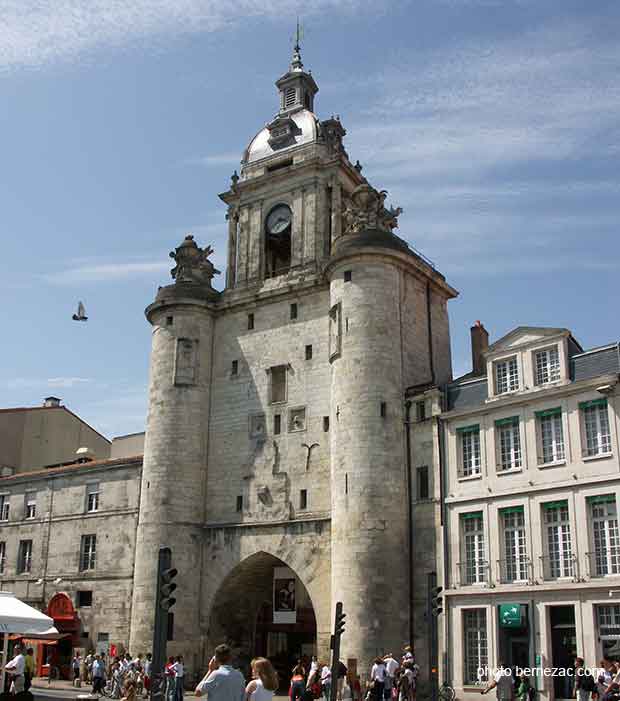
(262, 608)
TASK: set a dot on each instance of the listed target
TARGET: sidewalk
(65, 685)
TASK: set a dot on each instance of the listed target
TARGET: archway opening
(263, 609)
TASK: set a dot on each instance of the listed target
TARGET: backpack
(588, 683)
(342, 669)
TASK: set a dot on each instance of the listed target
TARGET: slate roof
(604, 360)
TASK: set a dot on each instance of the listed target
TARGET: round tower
(377, 287)
(172, 499)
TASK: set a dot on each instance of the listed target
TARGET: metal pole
(5, 653)
(432, 620)
(160, 632)
(333, 690)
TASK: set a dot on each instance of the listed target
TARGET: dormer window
(547, 365)
(506, 374)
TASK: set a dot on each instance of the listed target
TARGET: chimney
(479, 343)
(51, 401)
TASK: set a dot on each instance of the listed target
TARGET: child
(523, 690)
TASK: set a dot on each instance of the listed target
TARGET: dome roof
(307, 132)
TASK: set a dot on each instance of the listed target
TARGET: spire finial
(296, 64)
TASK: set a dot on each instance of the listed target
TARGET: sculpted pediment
(525, 336)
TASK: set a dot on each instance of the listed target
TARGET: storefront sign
(511, 615)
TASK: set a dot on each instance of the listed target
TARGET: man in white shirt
(179, 673)
(503, 682)
(391, 666)
(16, 668)
(222, 682)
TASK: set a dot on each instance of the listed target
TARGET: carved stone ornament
(366, 210)
(192, 263)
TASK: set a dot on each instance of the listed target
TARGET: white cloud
(34, 33)
(486, 146)
(216, 159)
(50, 383)
(101, 272)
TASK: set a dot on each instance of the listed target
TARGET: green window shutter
(548, 412)
(469, 429)
(511, 510)
(593, 402)
(602, 499)
(555, 504)
(511, 420)
(472, 514)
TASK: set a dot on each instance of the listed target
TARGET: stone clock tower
(275, 439)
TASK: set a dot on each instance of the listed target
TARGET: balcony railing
(563, 566)
(604, 563)
(475, 572)
(515, 571)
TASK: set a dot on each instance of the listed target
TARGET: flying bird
(80, 315)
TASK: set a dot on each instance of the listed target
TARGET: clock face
(279, 219)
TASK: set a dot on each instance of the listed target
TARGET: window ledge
(468, 478)
(555, 463)
(598, 456)
(510, 471)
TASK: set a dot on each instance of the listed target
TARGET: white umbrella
(18, 617)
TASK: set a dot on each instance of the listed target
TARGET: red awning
(51, 639)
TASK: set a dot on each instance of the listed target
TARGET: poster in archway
(284, 595)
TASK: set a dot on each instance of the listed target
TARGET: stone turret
(172, 501)
(377, 289)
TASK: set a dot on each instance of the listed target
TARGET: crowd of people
(119, 677)
(20, 670)
(599, 683)
(390, 680)
(128, 678)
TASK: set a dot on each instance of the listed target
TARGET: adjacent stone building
(32, 437)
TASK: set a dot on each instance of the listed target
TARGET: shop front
(514, 636)
(57, 658)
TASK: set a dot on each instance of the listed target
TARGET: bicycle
(446, 692)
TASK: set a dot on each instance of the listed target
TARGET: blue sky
(494, 124)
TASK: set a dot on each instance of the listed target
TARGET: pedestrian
(391, 667)
(313, 685)
(524, 688)
(604, 678)
(584, 681)
(170, 679)
(222, 682)
(377, 677)
(341, 676)
(264, 681)
(28, 669)
(326, 680)
(98, 674)
(502, 681)
(76, 664)
(405, 682)
(148, 664)
(298, 682)
(179, 676)
(16, 670)
(130, 690)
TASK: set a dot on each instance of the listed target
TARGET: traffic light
(339, 623)
(167, 587)
(436, 601)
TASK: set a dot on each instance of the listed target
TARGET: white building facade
(531, 549)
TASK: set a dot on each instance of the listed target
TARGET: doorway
(563, 648)
(262, 609)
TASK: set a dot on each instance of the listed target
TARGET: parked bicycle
(446, 692)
